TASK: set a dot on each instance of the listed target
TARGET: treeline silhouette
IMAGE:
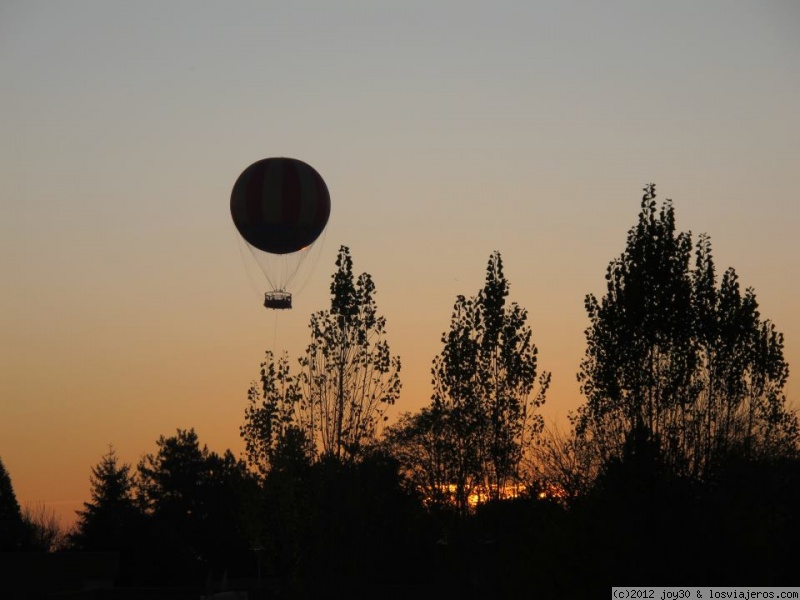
(681, 468)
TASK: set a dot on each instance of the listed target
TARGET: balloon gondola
(280, 206)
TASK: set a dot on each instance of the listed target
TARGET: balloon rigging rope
(259, 293)
(254, 252)
(283, 269)
(316, 250)
(240, 242)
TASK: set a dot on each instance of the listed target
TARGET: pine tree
(111, 519)
(192, 499)
(13, 533)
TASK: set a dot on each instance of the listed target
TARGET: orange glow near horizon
(481, 494)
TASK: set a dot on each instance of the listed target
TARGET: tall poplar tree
(483, 400)
(349, 376)
(347, 379)
(675, 362)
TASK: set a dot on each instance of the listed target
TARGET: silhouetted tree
(13, 532)
(361, 526)
(112, 519)
(425, 454)
(483, 399)
(740, 409)
(670, 353)
(45, 531)
(560, 466)
(277, 419)
(349, 376)
(347, 379)
(332, 523)
(191, 496)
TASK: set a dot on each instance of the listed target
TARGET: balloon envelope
(280, 205)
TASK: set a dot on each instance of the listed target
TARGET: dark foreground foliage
(347, 529)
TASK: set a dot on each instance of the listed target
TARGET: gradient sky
(444, 130)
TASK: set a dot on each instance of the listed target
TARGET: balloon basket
(279, 300)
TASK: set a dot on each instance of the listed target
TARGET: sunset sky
(444, 130)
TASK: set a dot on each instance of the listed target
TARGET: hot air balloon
(280, 206)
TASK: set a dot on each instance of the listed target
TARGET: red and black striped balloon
(280, 205)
